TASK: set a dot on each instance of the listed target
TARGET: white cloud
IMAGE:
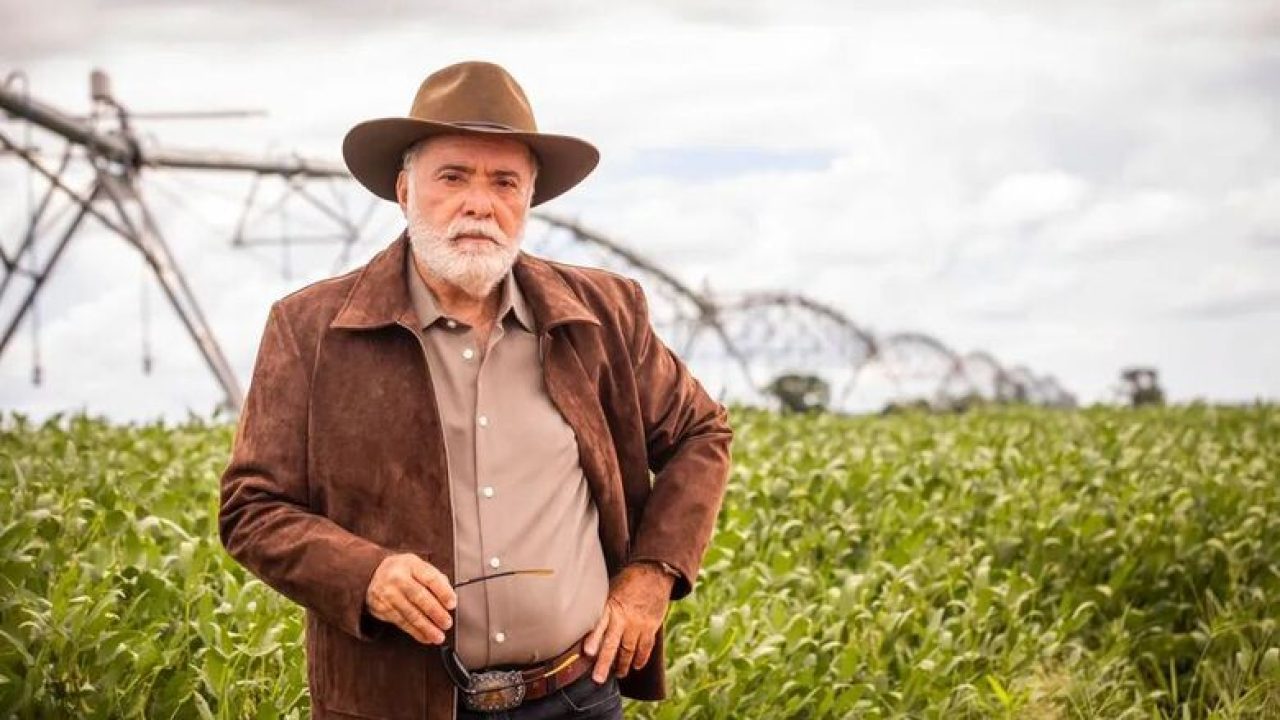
(1032, 197)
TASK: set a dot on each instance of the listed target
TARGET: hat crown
(474, 93)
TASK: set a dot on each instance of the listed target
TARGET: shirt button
(494, 562)
(483, 420)
(487, 491)
(468, 354)
(499, 637)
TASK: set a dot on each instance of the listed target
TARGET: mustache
(483, 228)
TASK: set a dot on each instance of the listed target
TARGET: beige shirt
(520, 499)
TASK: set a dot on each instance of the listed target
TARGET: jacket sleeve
(687, 436)
(264, 519)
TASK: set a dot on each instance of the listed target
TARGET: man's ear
(402, 190)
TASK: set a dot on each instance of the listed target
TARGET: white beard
(475, 270)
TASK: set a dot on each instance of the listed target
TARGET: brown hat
(470, 98)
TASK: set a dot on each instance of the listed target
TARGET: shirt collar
(428, 308)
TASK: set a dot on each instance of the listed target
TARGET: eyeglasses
(458, 673)
(543, 572)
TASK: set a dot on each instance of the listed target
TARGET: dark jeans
(581, 699)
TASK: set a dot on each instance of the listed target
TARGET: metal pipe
(126, 151)
(54, 120)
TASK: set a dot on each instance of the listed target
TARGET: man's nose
(478, 201)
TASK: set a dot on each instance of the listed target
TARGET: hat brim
(374, 150)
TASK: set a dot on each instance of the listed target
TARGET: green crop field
(1005, 563)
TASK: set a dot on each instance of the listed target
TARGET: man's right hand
(413, 595)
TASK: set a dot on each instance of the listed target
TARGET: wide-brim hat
(469, 98)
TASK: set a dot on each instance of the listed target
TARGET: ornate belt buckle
(494, 691)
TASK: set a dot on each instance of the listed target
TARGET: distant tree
(966, 402)
(797, 393)
(1141, 386)
(918, 405)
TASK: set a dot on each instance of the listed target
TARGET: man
(445, 456)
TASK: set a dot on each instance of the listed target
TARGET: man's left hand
(624, 635)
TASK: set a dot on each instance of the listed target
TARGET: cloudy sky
(1076, 187)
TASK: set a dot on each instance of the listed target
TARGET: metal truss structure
(748, 340)
(95, 178)
(738, 345)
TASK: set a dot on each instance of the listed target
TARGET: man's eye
(451, 177)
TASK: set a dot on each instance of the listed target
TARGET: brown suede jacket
(338, 461)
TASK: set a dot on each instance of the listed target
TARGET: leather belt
(499, 689)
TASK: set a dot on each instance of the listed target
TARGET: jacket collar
(380, 295)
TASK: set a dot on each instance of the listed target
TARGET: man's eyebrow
(468, 169)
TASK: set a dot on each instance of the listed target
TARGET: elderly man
(481, 472)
